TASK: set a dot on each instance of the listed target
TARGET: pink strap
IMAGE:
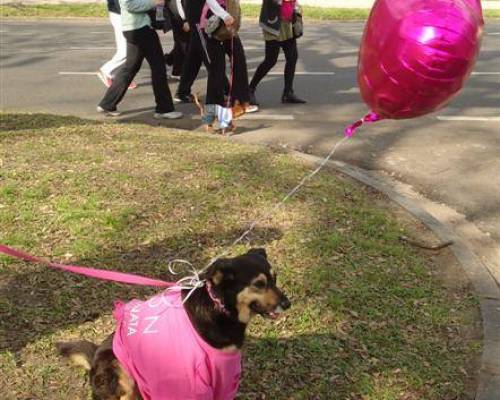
(368, 118)
(101, 274)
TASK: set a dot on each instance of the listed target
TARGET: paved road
(454, 162)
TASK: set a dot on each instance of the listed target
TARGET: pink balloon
(416, 55)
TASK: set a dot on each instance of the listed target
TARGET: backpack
(214, 26)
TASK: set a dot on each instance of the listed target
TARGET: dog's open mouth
(272, 314)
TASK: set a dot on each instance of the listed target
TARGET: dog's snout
(285, 303)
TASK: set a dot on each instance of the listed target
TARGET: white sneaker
(169, 115)
(251, 108)
(115, 113)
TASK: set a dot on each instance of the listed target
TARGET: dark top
(270, 20)
(114, 6)
(193, 11)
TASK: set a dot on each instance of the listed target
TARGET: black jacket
(114, 6)
(270, 16)
(193, 11)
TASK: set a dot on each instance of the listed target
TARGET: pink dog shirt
(157, 345)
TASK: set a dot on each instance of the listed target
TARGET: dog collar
(219, 305)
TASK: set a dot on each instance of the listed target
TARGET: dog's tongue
(276, 313)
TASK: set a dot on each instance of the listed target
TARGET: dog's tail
(79, 353)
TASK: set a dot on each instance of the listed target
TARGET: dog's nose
(285, 303)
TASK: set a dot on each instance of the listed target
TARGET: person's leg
(216, 72)
(240, 89)
(177, 53)
(291, 56)
(192, 64)
(153, 52)
(271, 57)
(111, 67)
(125, 75)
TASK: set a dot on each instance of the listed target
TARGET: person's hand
(229, 21)
(159, 2)
(185, 27)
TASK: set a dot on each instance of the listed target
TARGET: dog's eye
(260, 284)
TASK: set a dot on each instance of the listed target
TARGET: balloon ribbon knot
(368, 118)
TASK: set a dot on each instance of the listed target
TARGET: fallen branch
(424, 246)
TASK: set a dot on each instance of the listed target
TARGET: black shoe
(183, 98)
(253, 99)
(290, 98)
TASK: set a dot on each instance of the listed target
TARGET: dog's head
(247, 286)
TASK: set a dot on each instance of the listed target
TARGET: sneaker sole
(108, 113)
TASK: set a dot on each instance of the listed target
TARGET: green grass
(249, 10)
(370, 319)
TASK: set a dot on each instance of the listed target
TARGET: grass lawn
(249, 10)
(371, 319)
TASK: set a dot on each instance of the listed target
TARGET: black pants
(217, 79)
(141, 43)
(178, 54)
(272, 52)
(195, 56)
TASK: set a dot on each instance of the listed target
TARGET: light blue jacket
(134, 13)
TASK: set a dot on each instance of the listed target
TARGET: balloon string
(277, 206)
(368, 118)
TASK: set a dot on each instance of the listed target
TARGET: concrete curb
(487, 289)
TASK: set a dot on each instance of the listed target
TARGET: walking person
(108, 71)
(218, 47)
(181, 35)
(142, 43)
(196, 54)
(276, 21)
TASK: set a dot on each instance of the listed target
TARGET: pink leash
(101, 274)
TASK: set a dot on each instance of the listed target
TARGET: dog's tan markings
(80, 360)
(126, 384)
(217, 277)
(262, 280)
(267, 299)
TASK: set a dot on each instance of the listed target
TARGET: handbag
(298, 24)
(216, 28)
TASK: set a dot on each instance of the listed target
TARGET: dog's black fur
(246, 286)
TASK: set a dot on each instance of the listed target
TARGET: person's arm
(180, 9)
(217, 9)
(141, 6)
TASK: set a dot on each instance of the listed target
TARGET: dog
(225, 116)
(183, 344)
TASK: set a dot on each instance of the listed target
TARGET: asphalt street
(452, 156)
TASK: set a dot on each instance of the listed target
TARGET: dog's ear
(220, 271)
(260, 252)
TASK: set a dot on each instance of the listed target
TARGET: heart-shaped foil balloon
(416, 55)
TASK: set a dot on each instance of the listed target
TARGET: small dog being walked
(225, 116)
(177, 347)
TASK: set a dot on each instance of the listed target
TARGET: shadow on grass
(18, 122)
